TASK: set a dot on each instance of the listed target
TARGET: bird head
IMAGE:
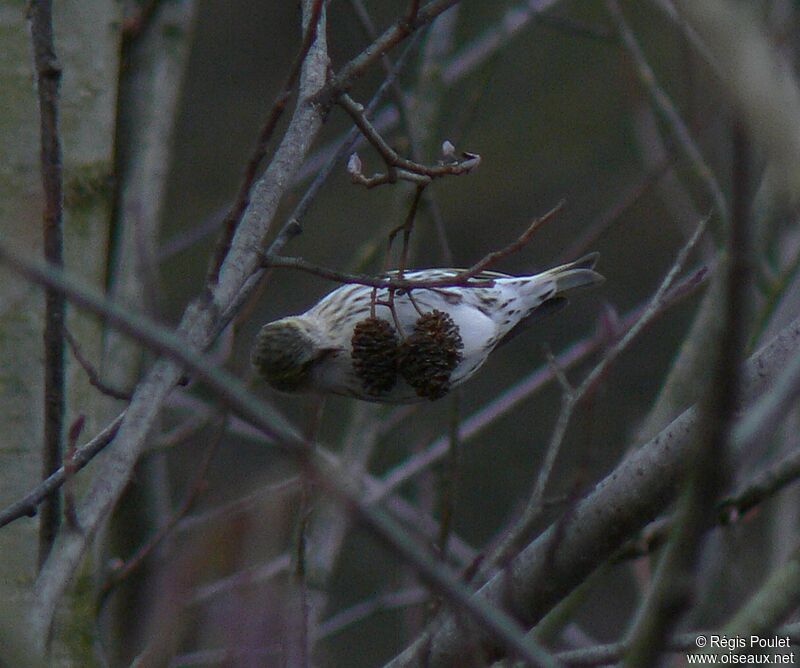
(284, 353)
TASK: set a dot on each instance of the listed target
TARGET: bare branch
(28, 505)
(397, 166)
(70, 513)
(198, 328)
(666, 108)
(520, 392)
(232, 393)
(48, 77)
(465, 278)
(195, 488)
(91, 372)
(360, 611)
(236, 212)
(534, 509)
(341, 82)
(639, 489)
(730, 510)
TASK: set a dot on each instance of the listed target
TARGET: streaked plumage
(311, 352)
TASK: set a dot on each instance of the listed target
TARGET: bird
(408, 345)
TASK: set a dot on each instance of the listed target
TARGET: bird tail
(575, 275)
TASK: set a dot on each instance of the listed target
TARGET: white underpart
(514, 299)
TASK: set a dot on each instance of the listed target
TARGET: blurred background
(554, 105)
(556, 113)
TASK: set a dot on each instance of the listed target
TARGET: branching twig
(232, 393)
(28, 505)
(417, 118)
(396, 33)
(457, 68)
(397, 167)
(571, 398)
(233, 216)
(760, 488)
(196, 487)
(466, 278)
(667, 109)
(91, 372)
(730, 510)
(509, 399)
(640, 488)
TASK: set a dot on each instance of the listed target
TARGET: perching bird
(436, 338)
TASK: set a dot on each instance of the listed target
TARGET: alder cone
(374, 353)
(428, 356)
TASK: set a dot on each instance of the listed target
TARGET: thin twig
(70, 512)
(29, 504)
(247, 578)
(457, 280)
(514, 20)
(195, 488)
(775, 290)
(406, 228)
(760, 488)
(397, 32)
(464, 278)
(292, 226)
(232, 393)
(667, 109)
(670, 594)
(251, 170)
(398, 167)
(447, 483)
(605, 222)
(300, 608)
(534, 510)
(522, 391)
(182, 431)
(360, 611)
(730, 510)
(241, 506)
(513, 247)
(91, 372)
(48, 78)
(360, 10)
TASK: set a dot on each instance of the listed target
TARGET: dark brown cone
(429, 355)
(374, 353)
